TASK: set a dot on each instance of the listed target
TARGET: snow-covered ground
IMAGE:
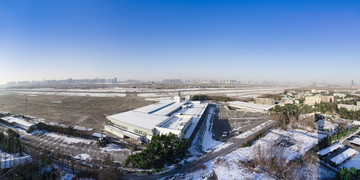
(10, 160)
(232, 166)
(69, 140)
(253, 130)
(84, 157)
(113, 147)
(208, 141)
(325, 125)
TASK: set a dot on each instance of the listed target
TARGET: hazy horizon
(307, 41)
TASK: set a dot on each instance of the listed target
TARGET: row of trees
(163, 149)
(202, 97)
(339, 134)
(353, 115)
(348, 174)
(11, 142)
(69, 130)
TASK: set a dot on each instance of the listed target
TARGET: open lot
(83, 111)
(234, 121)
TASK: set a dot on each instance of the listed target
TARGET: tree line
(69, 130)
(10, 143)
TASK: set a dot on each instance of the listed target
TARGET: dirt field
(83, 111)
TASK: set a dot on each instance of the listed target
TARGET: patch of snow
(57, 102)
(69, 140)
(113, 147)
(83, 157)
(253, 130)
(222, 146)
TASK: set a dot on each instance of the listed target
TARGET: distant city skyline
(302, 41)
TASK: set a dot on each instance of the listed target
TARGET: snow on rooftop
(154, 107)
(176, 122)
(139, 119)
(194, 109)
(166, 111)
(353, 162)
(343, 156)
(329, 149)
(250, 105)
(356, 141)
(11, 119)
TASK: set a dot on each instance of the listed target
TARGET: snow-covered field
(232, 166)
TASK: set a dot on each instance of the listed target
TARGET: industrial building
(174, 116)
(251, 107)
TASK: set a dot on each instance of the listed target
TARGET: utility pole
(26, 100)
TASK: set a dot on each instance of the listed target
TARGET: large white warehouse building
(178, 117)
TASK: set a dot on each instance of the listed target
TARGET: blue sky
(302, 41)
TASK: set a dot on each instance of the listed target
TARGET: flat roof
(343, 156)
(251, 105)
(194, 110)
(166, 111)
(330, 149)
(176, 122)
(12, 119)
(154, 107)
(139, 119)
(356, 141)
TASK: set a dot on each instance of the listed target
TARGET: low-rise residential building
(349, 107)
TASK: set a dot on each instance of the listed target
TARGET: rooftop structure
(329, 149)
(343, 156)
(355, 141)
(251, 106)
(18, 122)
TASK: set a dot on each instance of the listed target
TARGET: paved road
(199, 162)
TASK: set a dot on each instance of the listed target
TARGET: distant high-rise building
(352, 82)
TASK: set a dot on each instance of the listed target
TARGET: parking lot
(77, 147)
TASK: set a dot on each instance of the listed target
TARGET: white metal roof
(176, 122)
(343, 156)
(330, 149)
(356, 141)
(194, 110)
(140, 119)
(250, 105)
(153, 107)
(22, 122)
(166, 111)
